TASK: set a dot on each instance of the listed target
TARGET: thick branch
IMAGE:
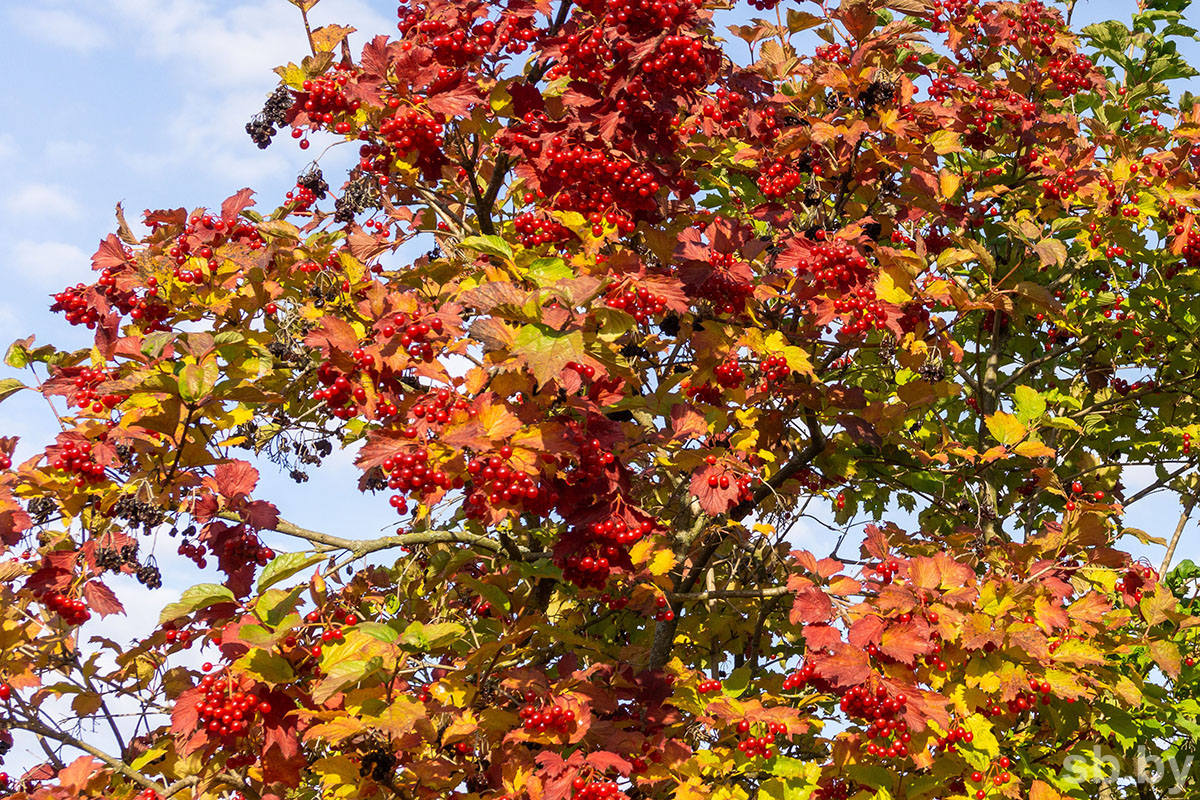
(361, 547)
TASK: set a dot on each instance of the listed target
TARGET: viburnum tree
(942, 268)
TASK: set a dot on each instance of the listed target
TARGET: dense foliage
(945, 262)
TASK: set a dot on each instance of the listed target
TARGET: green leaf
(1029, 404)
(267, 666)
(430, 637)
(491, 245)
(547, 271)
(344, 674)
(17, 356)
(546, 350)
(737, 682)
(196, 381)
(196, 598)
(9, 387)
(285, 566)
(379, 631)
(154, 343)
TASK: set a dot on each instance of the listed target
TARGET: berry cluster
(863, 310)
(641, 15)
(759, 746)
(75, 458)
(194, 249)
(415, 335)
(591, 181)
(774, 371)
(595, 790)
(324, 99)
(779, 179)
(638, 301)
(836, 264)
(225, 710)
(727, 294)
(86, 381)
(412, 129)
(437, 407)
(72, 610)
(494, 485)
(679, 63)
(534, 230)
(709, 685)
(546, 715)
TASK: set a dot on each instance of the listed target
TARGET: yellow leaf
(1006, 428)
(948, 182)
(1034, 450)
(944, 142)
(640, 552)
(887, 290)
(662, 562)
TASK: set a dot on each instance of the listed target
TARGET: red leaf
(101, 599)
(714, 499)
(821, 637)
(260, 514)
(185, 713)
(687, 422)
(110, 254)
(848, 666)
(906, 641)
(865, 631)
(333, 334)
(13, 518)
(236, 204)
(236, 479)
(75, 776)
(811, 605)
(603, 761)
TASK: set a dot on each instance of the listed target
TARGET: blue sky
(144, 102)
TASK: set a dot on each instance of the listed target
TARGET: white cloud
(66, 152)
(59, 27)
(41, 199)
(49, 263)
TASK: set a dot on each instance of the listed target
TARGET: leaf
(714, 497)
(343, 674)
(1033, 450)
(195, 383)
(101, 599)
(491, 245)
(267, 666)
(379, 631)
(547, 271)
(1005, 428)
(196, 598)
(235, 479)
(17, 355)
(1166, 654)
(811, 605)
(9, 387)
(848, 666)
(430, 637)
(285, 566)
(547, 351)
(1028, 403)
(1052, 252)
(328, 37)
(944, 142)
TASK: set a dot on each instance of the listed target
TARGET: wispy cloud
(48, 264)
(59, 27)
(41, 199)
